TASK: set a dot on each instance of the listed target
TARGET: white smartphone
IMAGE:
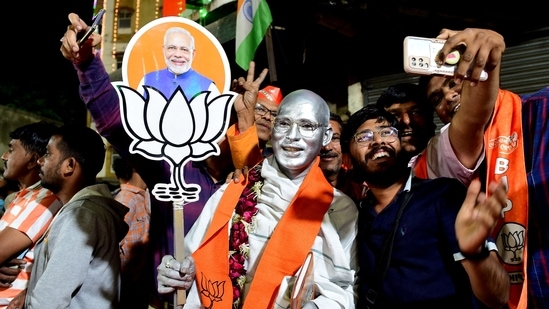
(420, 54)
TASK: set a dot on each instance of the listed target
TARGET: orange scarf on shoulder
(504, 145)
(504, 149)
(283, 255)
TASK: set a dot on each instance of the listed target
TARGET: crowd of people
(394, 214)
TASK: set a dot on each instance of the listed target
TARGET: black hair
(407, 92)
(86, 146)
(122, 168)
(34, 137)
(370, 111)
(402, 93)
(335, 117)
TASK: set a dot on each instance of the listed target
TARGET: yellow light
(137, 11)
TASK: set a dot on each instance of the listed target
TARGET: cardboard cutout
(175, 117)
(181, 125)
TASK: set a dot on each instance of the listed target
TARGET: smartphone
(95, 23)
(20, 256)
(420, 54)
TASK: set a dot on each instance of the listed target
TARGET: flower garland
(243, 223)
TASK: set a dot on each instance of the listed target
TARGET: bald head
(301, 97)
(300, 130)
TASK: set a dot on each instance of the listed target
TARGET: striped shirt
(30, 212)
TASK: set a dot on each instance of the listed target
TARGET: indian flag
(252, 21)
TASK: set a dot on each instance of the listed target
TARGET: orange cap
(271, 93)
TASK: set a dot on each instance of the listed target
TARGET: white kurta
(333, 248)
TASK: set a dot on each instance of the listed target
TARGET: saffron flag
(173, 7)
(252, 21)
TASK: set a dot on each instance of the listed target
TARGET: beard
(387, 173)
(53, 182)
(178, 69)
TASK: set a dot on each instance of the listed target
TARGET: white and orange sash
(297, 230)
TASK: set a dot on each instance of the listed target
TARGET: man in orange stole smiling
(284, 209)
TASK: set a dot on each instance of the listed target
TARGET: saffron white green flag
(252, 21)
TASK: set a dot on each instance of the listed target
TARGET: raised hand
(247, 88)
(69, 46)
(478, 216)
(483, 50)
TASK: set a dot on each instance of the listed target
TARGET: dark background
(319, 45)
(35, 76)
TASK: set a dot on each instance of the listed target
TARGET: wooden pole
(180, 297)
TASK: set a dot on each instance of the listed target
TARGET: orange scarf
(283, 255)
(503, 141)
(505, 160)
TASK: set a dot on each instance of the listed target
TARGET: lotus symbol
(174, 130)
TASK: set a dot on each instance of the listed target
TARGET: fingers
(498, 199)
(483, 50)
(488, 209)
(188, 267)
(9, 272)
(237, 173)
(251, 72)
(445, 34)
(261, 77)
(473, 192)
(69, 46)
(175, 275)
(230, 177)
(242, 174)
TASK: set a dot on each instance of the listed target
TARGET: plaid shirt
(138, 219)
(535, 113)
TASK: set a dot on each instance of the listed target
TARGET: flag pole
(270, 55)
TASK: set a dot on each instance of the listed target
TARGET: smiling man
(421, 243)
(266, 109)
(286, 203)
(331, 156)
(179, 52)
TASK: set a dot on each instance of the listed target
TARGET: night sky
(31, 55)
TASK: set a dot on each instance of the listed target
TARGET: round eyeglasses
(305, 127)
(366, 137)
(261, 110)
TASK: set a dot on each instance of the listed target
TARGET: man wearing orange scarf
(285, 209)
(515, 146)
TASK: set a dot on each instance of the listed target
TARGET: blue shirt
(422, 272)
(535, 113)
(191, 82)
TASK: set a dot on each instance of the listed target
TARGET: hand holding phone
(420, 57)
(96, 20)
